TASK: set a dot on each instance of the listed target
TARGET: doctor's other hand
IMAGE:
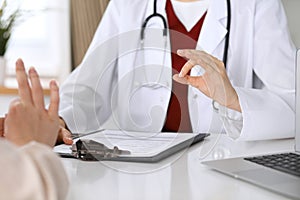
(64, 135)
(27, 119)
(2, 119)
(214, 82)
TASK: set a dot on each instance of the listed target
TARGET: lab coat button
(195, 96)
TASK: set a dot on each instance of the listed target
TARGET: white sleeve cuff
(232, 119)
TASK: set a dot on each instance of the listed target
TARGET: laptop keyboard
(285, 162)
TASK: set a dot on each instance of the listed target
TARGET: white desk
(181, 176)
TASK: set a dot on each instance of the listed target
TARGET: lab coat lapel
(211, 36)
(214, 27)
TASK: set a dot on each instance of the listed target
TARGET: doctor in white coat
(131, 82)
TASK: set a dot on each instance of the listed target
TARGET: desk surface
(181, 176)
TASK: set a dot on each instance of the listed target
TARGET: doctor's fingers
(64, 136)
(187, 53)
(206, 61)
(194, 54)
(54, 99)
(23, 85)
(2, 120)
(36, 89)
(187, 67)
(207, 65)
(195, 81)
(198, 82)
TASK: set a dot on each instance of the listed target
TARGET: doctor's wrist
(233, 102)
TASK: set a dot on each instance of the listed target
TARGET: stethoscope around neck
(165, 32)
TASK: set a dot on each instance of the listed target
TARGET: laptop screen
(297, 138)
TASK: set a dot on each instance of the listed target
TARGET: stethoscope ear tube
(155, 14)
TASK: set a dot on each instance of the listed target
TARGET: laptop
(279, 173)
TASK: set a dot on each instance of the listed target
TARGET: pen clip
(91, 150)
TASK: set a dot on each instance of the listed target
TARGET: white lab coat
(261, 66)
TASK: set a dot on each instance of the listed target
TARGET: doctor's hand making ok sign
(214, 82)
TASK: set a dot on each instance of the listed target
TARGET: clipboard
(117, 145)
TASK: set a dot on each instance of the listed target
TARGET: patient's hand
(27, 119)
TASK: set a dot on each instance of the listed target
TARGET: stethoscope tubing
(226, 45)
(165, 31)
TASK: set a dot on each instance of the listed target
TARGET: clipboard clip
(90, 150)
